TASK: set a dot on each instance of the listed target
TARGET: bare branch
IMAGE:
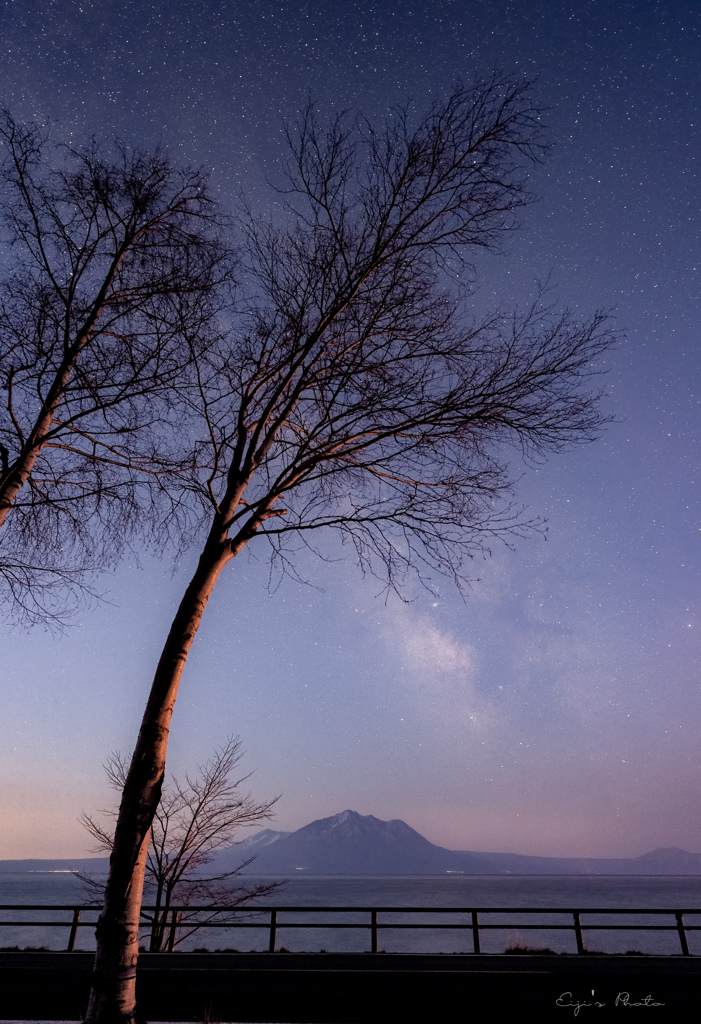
(118, 272)
(194, 819)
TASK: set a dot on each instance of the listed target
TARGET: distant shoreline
(17, 870)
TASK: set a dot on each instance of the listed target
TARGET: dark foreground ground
(365, 989)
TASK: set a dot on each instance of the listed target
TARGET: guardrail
(272, 923)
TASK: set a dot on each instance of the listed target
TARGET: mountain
(354, 844)
(260, 839)
(346, 844)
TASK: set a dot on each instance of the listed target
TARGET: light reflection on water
(433, 891)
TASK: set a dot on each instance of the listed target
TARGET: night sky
(555, 710)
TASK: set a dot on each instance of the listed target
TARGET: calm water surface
(468, 891)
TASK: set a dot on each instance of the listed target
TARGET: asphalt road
(362, 988)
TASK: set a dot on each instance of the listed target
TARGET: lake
(673, 892)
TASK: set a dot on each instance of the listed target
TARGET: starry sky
(555, 710)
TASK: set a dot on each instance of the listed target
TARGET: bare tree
(194, 819)
(357, 394)
(112, 267)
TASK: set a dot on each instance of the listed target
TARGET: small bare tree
(357, 394)
(112, 267)
(194, 819)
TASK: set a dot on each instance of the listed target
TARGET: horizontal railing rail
(272, 923)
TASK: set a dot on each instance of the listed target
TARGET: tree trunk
(157, 927)
(17, 475)
(14, 480)
(113, 994)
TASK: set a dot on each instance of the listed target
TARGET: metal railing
(474, 924)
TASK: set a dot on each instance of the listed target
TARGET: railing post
(74, 930)
(273, 928)
(682, 933)
(373, 931)
(578, 932)
(475, 932)
(173, 926)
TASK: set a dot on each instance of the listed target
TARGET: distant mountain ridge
(355, 844)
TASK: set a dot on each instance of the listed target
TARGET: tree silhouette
(194, 819)
(112, 272)
(355, 393)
